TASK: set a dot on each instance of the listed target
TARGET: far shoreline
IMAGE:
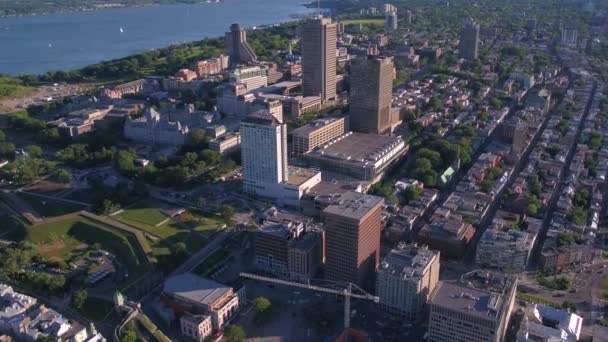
(76, 10)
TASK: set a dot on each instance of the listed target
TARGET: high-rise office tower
(237, 46)
(352, 238)
(371, 86)
(408, 17)
(469, 41)
(569, 35)
(391, 21)
(263, 153)
(319, 58)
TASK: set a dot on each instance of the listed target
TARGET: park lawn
(67, 238)
(96, 309)
(363, 21)
(208, 226)
(48, 207)
(143, 214)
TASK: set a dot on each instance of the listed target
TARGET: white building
(155, 129)
(569, 36)
(544, 323)
(264, 160)
(196, 327)
(14, 307)
(406, 278)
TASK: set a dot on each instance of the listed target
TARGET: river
(37, 44)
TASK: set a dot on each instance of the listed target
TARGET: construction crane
(346, 291)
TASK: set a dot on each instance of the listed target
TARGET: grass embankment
(48, 207)
(68, 239)
(363, 21)
(11, 88)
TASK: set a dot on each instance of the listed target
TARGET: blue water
(34, 45)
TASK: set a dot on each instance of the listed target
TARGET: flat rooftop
(357, 147)
(468, 300)
(354, 205)
(194, 288)
(409, 261)
(298, 175)
(316, 125)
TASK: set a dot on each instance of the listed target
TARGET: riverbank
(12, 9)
(35, 45)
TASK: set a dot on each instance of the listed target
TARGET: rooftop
(409, 261)
(358, 147)
(479, 293)
(298, 176)
(354, 205)
(195, 288)
(315, 125)
(262, 117)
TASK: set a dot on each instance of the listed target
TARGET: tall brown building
(319, 58)
(237, 46)
(352, 238)
(371, 89)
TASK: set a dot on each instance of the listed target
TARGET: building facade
(263, 153)
(196, 327)
(352, 238)
(318, 133)
(469, 41)
(406, 279)
(371, 95)
(391, 21)
(155, 129)
(476, 308)
(238, 49)
(319, 58)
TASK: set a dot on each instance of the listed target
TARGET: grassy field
(191, 229)
(363, 21)
(142, 215)
(69, 238)
(12, 88)
(95, 309)
(47, 207)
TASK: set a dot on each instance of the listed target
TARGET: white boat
(121, 30)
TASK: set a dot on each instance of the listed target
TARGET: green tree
(411, 193)
(234, 333)
(262, 305)
(197, 137)
(7, 149)
(79, 298)
(128, 335)
(227, 212)
(62, 176)
(2, 136)
(33, 151)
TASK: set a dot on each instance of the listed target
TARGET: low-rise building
(155, 129)
(196, 327)
(406, 278)
(476, 308)
(447, 233)
(318, 133)
(226, 143)
(505, 247)
(189, 293)
(358, 155)
(545, 323)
